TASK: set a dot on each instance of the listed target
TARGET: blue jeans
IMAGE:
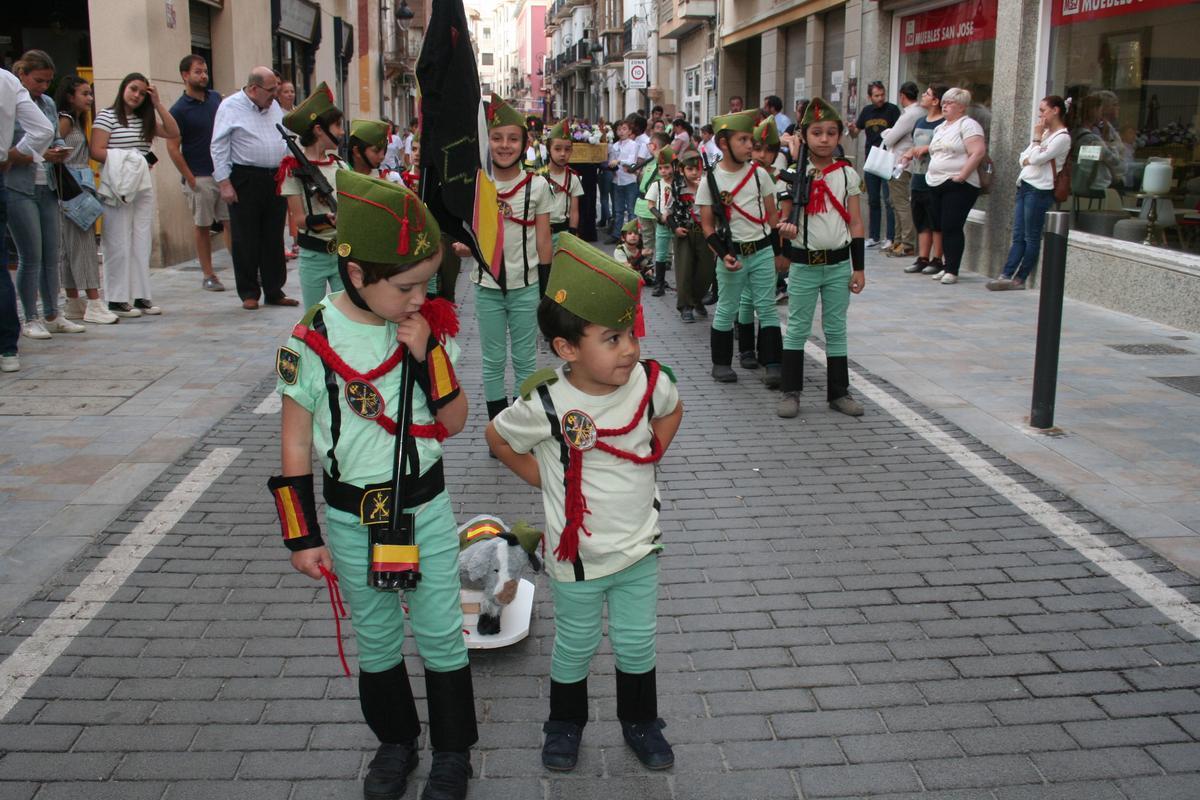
(877, 195)
(33, 224)
(1029, 218)
(604, 177)
(10, 323)
(626, 197)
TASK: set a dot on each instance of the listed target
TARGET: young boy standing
(641, 209)
(694, 262)
(659, 197)
(507, 308)
(629, 252)
(340, 377)
(566, 187)
(746, 197)
(599, 422)
(827, 251)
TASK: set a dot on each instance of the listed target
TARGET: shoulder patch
(307, 320)
(287, 365)
(670, 373)
(545, 376)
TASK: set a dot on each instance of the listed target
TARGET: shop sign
(298, 19)
(1068, 12)
(950, 26)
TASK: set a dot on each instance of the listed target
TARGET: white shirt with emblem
(621, 496)
(562, 202)
(540, 201)
(827, 230)
(750, 197)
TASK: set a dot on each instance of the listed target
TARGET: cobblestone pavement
(846, 611)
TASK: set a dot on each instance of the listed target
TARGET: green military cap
(559, 131)
(819, 110)
(371, 132)
(767, 133)
(302, 117)
(666, 156)
(630, 227)
(501, 113)
(689, 156)
(383, 222)
(741, 122)
(592, 286)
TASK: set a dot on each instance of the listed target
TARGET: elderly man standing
(246, 150)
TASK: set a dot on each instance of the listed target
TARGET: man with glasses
(246, 150)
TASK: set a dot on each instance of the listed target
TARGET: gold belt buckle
(376, 506)
(817, 258)
(748, 248)
(331, 246)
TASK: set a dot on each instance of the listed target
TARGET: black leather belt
(816, 258)
(373, 504)
(750, 248)
(316, 243)
(559, 227)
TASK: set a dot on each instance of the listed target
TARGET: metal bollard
(1049, 329)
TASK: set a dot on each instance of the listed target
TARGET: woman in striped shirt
(130, 123)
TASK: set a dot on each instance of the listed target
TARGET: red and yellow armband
(297, 507)
(438, 380)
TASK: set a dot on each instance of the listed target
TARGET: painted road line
(270, 404)
(34, 656)
(1169, 602)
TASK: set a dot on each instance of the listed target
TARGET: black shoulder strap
(650, 404)
(564, 451)
(333, 396)
(525, 233)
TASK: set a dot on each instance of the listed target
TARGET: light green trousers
(757, 275)
(507, 324)
(318, 270)
(805, 285)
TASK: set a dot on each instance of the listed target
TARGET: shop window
(691, 94)
(1132, 73)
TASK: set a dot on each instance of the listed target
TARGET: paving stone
(182, 766)
(1170, 787)
(858, 779)
(898, 747)
(109, 790)
(1115, 733)
(1083, 790)
(227, 790)
(1117, 762)
(768, 784)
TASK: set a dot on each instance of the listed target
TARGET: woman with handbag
(956, 151)
(33, 211)
(77, 244)
(1043, 180)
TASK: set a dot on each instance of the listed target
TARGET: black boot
(792, 381)
(564, 729)
(745, 344)
(660, 279)
(722, 356)
(770, 353)
(494, 407)
(637, 709)
(838, 391)
(452, 731)
(388, 707)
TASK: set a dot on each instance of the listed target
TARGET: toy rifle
(680, 210)
(307, 173)
(798, 184)
(395, 559)
(718, 206)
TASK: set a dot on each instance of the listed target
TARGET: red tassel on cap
(402, 244)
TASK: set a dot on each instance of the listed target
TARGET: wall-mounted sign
(950, 26)
(636, 74)
(1068, 12)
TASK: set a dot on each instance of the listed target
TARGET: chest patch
(287, 365)
(579, 430)
(364, 399)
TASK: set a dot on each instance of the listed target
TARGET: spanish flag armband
(297, 507)
(438, 380)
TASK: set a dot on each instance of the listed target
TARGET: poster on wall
(950, 26)
(801, 86)
(835, 80)
(1069, 12)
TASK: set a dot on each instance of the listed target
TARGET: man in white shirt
(15, 106)
(773, 106)
(898, 139)
(246, 151)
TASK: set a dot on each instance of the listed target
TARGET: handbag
(1062, 179)
(78, 202)
(881, 162)
(985, 173)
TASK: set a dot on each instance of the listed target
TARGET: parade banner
(950, 26)
(1069, 12)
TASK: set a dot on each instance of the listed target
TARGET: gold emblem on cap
(312, 115)
(560, 296)
(343, 249)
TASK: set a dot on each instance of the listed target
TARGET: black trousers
(256, 221)
(952, 203)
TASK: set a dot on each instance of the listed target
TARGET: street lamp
(404, 15)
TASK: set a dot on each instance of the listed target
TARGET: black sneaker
(560, 752)
(748, 360)
(646, 741)
(124, 310)
(724, 374)
(687, 316)
(773, 376)
(448, 776)
(701, 311)
(387, 774)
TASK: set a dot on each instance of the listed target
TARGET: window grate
(1185, 383)
(1150, 349)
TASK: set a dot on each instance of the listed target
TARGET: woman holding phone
(136, 116)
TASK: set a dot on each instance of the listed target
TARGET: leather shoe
(387, 774)
(448, 775)
(250, 305)
(283, 300)
(560, 752)
(648, 743)
(723, 373)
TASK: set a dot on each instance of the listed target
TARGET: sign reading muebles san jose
(970, 21)
(1068, 12)
(636, 76)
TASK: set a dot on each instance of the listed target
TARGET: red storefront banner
(1068, 12)
(970, 21)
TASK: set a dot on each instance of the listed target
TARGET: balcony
(633, 43)
(614, 46)
(688, 15)
(559, 9)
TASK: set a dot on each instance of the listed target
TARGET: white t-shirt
(750, 198)
(827, 230)
(562, 201)
(292, 186)
(1054, 147)
(621, 496)
(660, 195)
(711, 151)
(948, 151)
(121, 137)
(628, 154)
(514, 207)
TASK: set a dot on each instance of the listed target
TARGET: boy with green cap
(340, 376)
(600, 421)
(368, 147)
(506, 305)
(641, 209)
(659, 197)
(826, 252)
(694, 262)
(566, 187)
(318, 124)
(745, 195)
(764, 152)
(629, 252)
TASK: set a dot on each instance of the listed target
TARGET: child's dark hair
(62, 98)
(556, 322)
(330, 117)
(662, 137)
(375, 271)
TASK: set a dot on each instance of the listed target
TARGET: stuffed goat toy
(493, 560)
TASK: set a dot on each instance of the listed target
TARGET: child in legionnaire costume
(340, 376)
(694, 262)
(318, 124)
(827, 260)
(747, 201)
(537, 155)
(507, 308)
(589, 434)
(629, 252)
(368, 147)
(641, 209)
(659, 197)
(565, 183)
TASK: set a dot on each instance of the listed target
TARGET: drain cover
(1187, 383)
(1150, 349)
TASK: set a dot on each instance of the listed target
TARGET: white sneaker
(61, 324)
(97, 313)
(34, 329)
(10, 363)
(885, 244)
(75, 308)
(937, 276)
(872, 243)
(949, 278)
